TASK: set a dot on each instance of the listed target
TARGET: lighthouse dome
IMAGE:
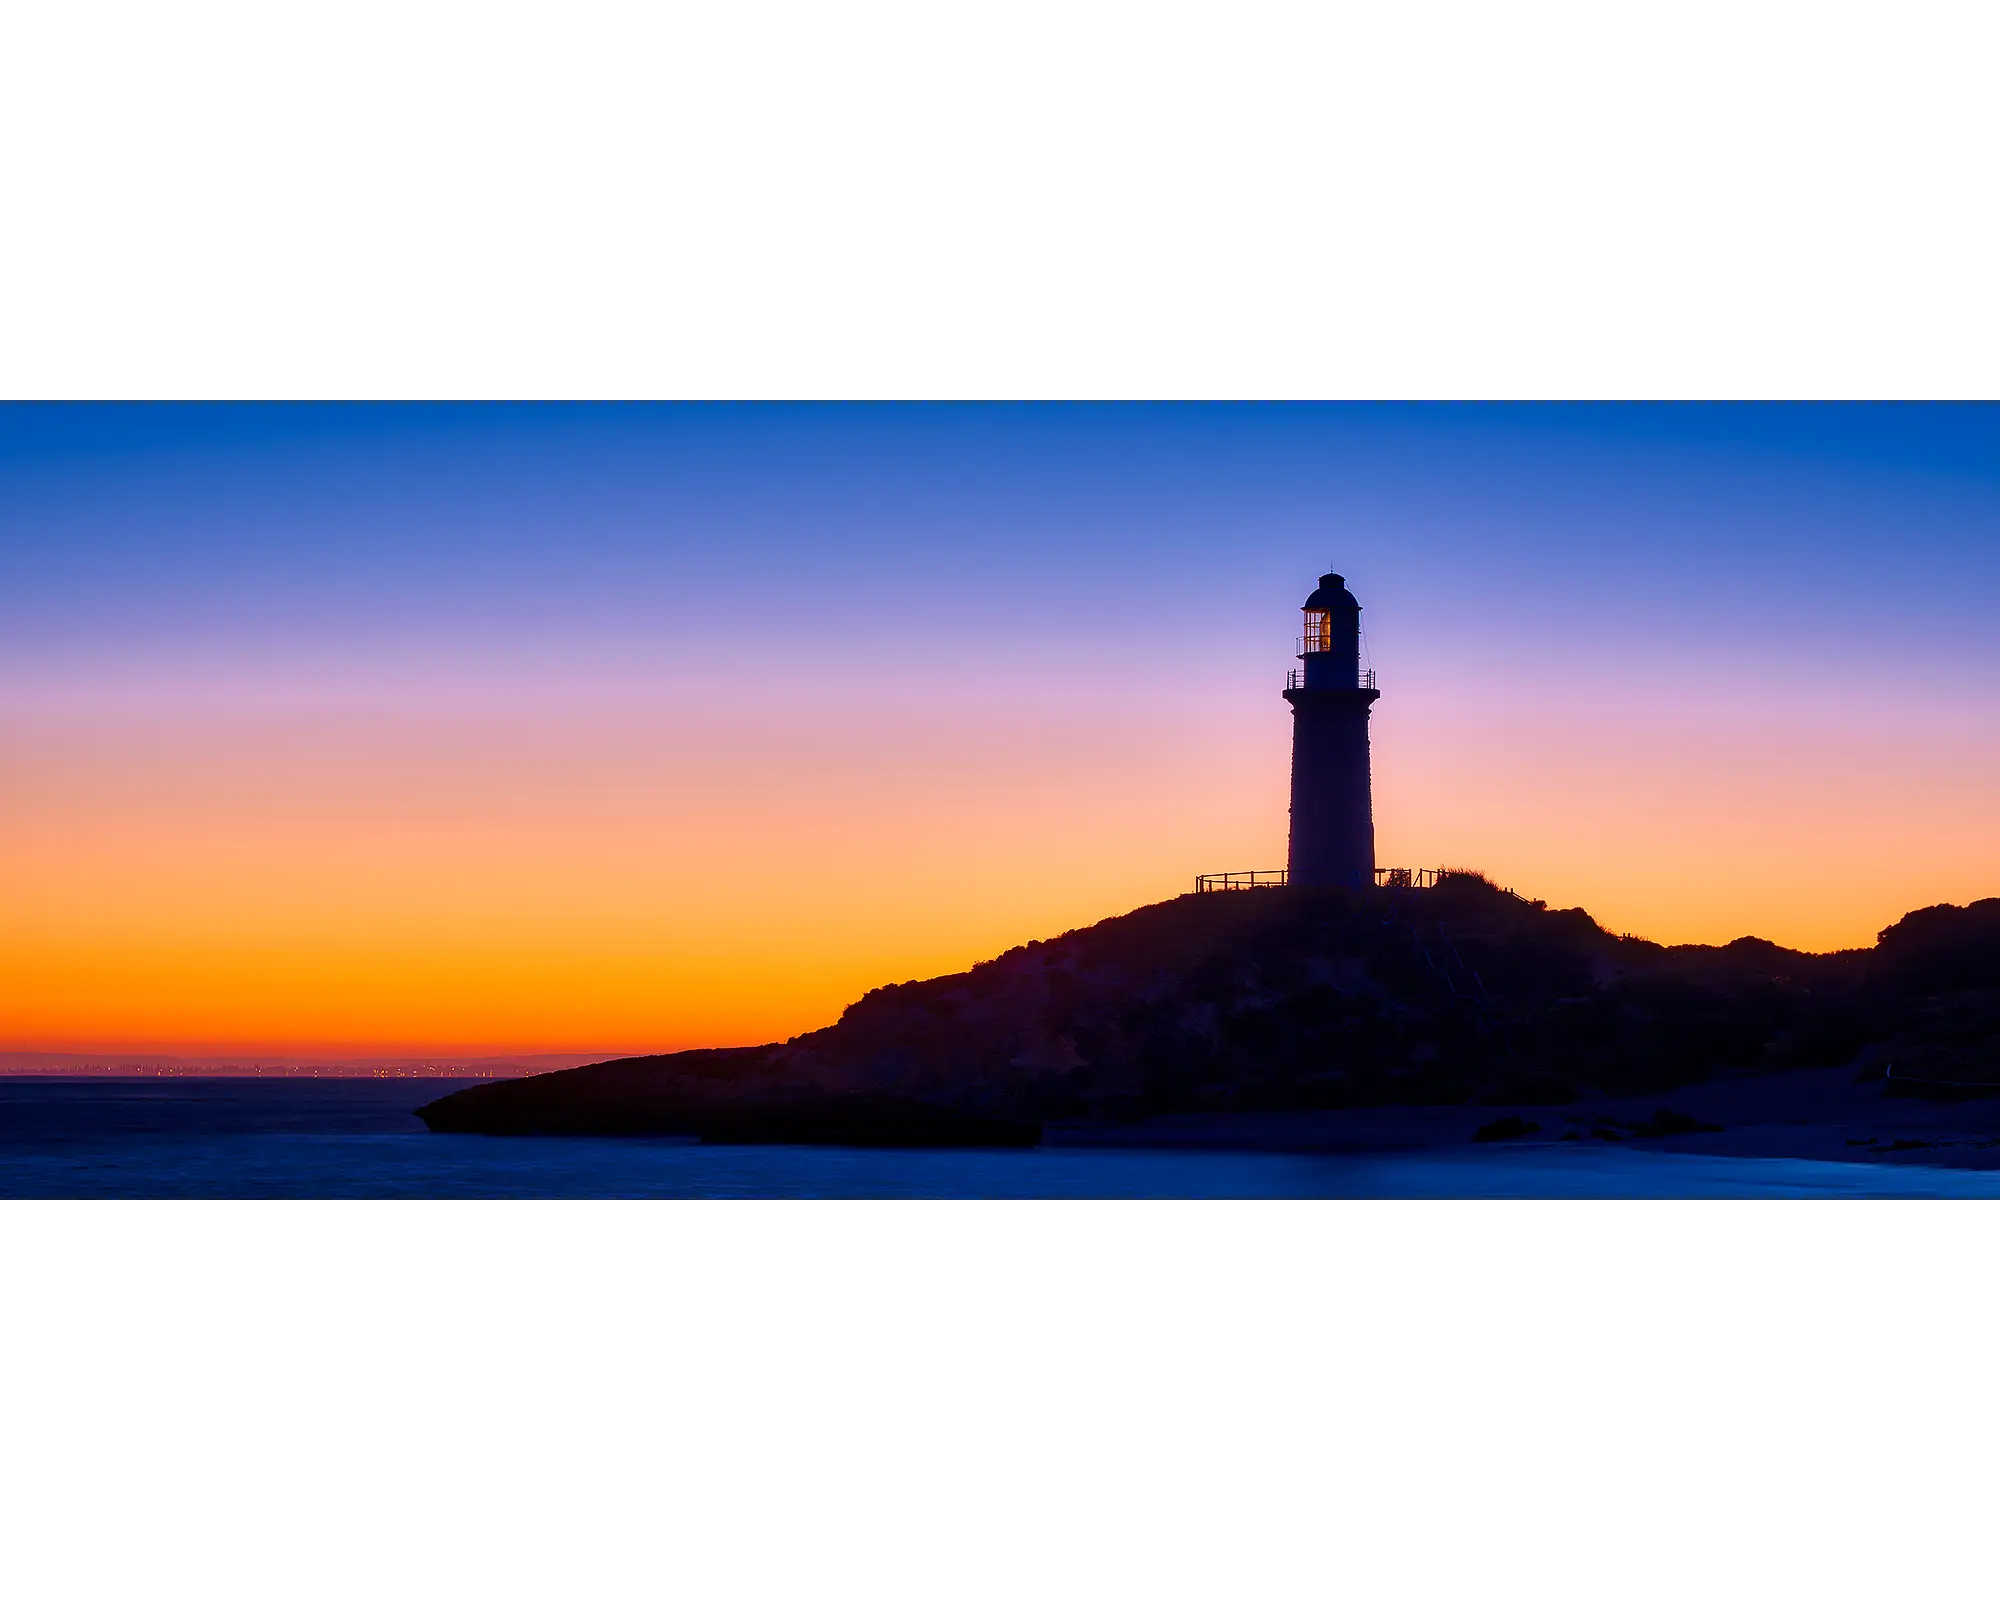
(1331, 595)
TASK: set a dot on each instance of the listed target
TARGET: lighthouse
(1333, 814)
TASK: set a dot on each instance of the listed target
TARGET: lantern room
(1331, 645)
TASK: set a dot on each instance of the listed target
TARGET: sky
(332, 730)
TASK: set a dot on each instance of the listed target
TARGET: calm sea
(357, 1138)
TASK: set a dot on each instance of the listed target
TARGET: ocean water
(331, 1138)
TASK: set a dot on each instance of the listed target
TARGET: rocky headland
(1341, 1019)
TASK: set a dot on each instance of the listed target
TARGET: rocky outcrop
(1295, 999)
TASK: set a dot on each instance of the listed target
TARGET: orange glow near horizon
(362, 885)
(400, 882)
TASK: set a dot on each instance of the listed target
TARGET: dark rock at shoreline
(696, 1097)
(609, 1097)
(1667, 1122)
(1504, 1128)
(1300, 1000)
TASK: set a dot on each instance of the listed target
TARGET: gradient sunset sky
(479, 729)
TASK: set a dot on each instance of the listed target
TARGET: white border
(1060, 198)
(915, 1399)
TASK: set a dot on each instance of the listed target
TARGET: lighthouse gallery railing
(1385, 877)
(1296, 679)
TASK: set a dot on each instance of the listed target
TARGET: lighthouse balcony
(1296, 679)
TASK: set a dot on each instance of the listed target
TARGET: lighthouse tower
(1333, 815)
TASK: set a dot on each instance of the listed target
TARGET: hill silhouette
(1307, 1000)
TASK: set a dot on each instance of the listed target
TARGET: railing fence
(1276, 878)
